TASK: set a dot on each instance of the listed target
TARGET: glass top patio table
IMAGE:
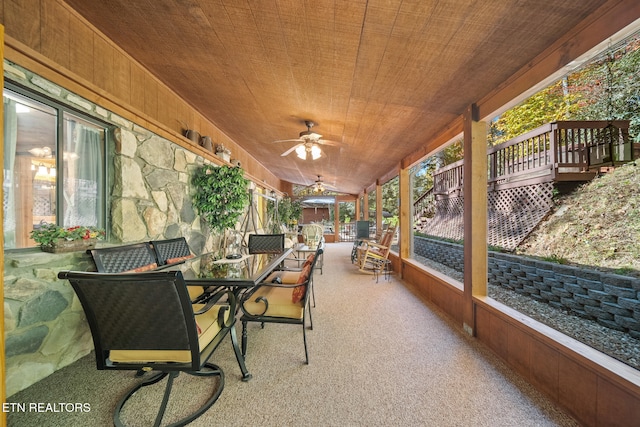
(244, 272)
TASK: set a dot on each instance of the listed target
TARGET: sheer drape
(10, 142)
(83, 165)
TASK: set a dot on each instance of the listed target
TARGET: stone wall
(45, 327)
(149, 198)
(610, 299)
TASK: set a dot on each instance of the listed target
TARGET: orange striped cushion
(143, 268)
(298, 291)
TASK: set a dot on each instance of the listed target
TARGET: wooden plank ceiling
(380, 76)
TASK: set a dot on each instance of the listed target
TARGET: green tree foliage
(289, 211)
(553, 103)
(372, 204)
(391, 196)
(347, 210)
(609, 87)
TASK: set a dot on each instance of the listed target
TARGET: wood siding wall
(50, 39)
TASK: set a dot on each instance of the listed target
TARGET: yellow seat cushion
(195, 292)
(287, 277)
(280, 304)
(208, 325)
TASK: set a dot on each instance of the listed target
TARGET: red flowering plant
(48, 234)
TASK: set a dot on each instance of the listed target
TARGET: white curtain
(83, 164)
(10, 142)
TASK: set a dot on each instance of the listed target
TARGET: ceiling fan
(308, 143)
(319, 186)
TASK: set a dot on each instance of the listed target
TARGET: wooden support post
(475, 214)
(336, 220)
(365, 207)
(3, 378)
(378, 206)
(406, 213)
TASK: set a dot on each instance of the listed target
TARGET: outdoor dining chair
(171, 251)
(163, 335)
(266, 243)
(281, 300)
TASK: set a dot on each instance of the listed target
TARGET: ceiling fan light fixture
(301, 152)
(316, 152)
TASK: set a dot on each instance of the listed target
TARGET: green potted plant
(220, 196)
(55, 238)
(289, 213)
(391, 221)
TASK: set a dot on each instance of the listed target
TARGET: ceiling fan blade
(288, 140)
(329, 142)
(286, 153)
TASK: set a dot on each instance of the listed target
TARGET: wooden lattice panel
(512, 214)
(447, 222)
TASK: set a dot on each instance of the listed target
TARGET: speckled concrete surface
(378, 357)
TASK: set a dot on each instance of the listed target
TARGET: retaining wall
(611, 300)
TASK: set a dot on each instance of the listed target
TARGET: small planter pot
(61, 246)
(224, 156)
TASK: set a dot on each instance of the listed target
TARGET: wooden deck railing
(562, 150)
(558, 151)
(423, 206)
(551, 150)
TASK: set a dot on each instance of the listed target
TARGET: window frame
(62, 112)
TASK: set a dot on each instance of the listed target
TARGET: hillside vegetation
(597, 225)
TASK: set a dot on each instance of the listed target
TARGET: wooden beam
(378, 206)
(3, 386)
(336, 220)
(452, 131)
(475, 214)
(365, 207)
(406, 213)
(539, 73)
(389, 175)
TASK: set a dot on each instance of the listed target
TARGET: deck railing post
(553, 150)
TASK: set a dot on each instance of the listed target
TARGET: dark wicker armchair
(146, 256)
(282, 298)
(266, 243)
(137, 257)
(146, 321)
(171, 251)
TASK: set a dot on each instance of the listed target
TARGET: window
(53, 167)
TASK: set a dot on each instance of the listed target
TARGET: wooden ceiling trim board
(136, 78)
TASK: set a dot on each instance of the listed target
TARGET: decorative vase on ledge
(63, 245)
